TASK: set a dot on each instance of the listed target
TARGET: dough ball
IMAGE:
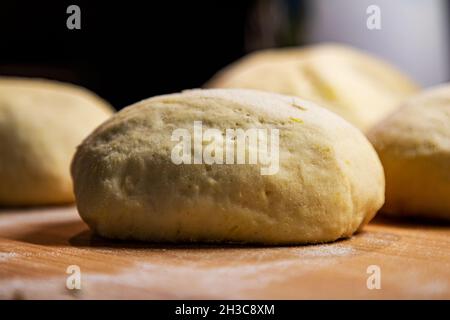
(356, 86)
(41, 123)
(414, 146)
(329, 181)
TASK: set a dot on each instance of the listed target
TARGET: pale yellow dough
(414, 147)
(360, 88)
(41, 123)
(330, 181)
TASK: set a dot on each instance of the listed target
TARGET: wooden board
(37, 246)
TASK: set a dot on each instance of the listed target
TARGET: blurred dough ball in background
(414, 147)
(356, 86)
(420, 50)
(41, 123)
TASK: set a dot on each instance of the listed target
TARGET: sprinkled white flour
(326, 251)
(5, 256)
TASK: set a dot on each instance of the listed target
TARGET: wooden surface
(37, 246)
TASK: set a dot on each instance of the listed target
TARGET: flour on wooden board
(5, 256)
(213, 281)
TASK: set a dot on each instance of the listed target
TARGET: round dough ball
(329, 183)
(41, 123)
(356, 86)
(414, 146)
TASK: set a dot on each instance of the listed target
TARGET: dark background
(125, 50)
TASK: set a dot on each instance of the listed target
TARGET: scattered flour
(326, 251)
(5, 256)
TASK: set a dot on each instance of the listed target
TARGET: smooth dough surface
(41, 123)
(414, 147)
(360, 88)
(330, 181)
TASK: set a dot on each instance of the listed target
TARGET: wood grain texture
(37, 245)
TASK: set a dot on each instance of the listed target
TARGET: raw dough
(414, 147)
(330, 182)
(41, 123)
(358, 87)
